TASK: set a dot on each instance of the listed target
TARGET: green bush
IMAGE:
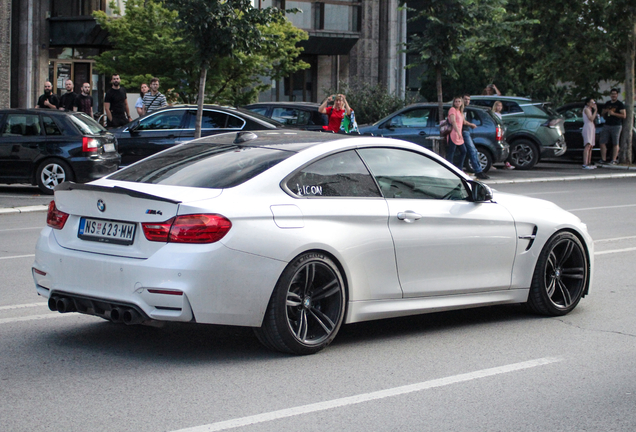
(371, 102)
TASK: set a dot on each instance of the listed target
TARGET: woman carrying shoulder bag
(455, 140)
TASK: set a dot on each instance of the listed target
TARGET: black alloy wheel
(561, 276)
(524, 154)
(307, 307)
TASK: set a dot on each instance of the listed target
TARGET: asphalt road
(488, 369)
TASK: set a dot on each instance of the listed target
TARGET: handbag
(445, 128)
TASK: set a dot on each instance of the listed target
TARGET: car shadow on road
(185, 344)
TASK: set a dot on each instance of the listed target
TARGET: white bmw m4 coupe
(297, 233)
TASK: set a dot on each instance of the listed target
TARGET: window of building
(73, 8)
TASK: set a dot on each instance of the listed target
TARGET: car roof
(36, 111)
(293, 140)
(518, 99)
(226, 109)
(445, 105)
(282, 103)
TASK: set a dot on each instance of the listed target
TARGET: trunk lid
(113, 206)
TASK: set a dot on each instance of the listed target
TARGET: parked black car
(418, 123)
(304, 115)
(170, 126)
(46, 147)
(573, 114)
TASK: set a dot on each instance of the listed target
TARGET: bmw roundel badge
(101, 205)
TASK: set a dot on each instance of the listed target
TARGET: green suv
(533, 130)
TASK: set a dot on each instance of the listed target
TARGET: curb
(562, 179)
(26, 209)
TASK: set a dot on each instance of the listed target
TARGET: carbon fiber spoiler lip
(68, 186)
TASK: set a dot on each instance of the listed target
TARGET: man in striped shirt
(153, 100)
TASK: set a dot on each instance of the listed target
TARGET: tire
(561, 276)
(307, 307)
(485, 160)
(52, 172)
(524, 154)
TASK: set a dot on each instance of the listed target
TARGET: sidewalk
(25, 198)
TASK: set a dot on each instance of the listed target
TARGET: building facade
(54, 40)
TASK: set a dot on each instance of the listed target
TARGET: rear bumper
(177, 283)
(95, 167)
(555, 150)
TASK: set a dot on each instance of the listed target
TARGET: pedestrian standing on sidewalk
(497, 108)
(84, 101)
(48, 99)
(116, 103)
(455, 139)
(153, 100)
(139, 105)
(67, 101)
(614, 113)
(473, 156)
(589, 132)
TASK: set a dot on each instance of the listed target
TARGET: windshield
(86, 125)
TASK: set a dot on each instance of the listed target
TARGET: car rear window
(203, 165)
(86, 125)
(539, 109)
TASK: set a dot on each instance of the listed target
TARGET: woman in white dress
(589, 132)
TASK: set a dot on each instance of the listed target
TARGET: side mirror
(481, 192)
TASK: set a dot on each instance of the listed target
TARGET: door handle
(422, 133)
(409, 216)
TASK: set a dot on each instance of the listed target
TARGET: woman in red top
(335, 113)
(455, 139)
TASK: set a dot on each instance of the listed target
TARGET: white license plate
(107, 231)
(109, 147)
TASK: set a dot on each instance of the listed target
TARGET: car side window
(473, 117)
(510, 107)
(259, 110)
(339, 175)
(289, 116)
(164, 120)
(21, 125)
(415, 118)
(50, 127)
(234, 122)
(404, 174)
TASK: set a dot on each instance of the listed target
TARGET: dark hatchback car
(46, 147)
(301, 115)
(533, 129)
(174, 125)
(418, 123)
(573, 114)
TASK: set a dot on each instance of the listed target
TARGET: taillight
(500, 133)
(197, 228)
(89, 144)
(55, 218)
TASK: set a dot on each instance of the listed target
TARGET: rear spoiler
(68, 186)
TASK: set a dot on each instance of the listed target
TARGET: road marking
(615, 239)
(20, 229)
(615, 251)
(366, 397)
(34, 317)
(22, 306)
(602, 208)
(17, 256)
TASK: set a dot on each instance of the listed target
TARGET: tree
(219, 30)
(149, 40)
(448, 27)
